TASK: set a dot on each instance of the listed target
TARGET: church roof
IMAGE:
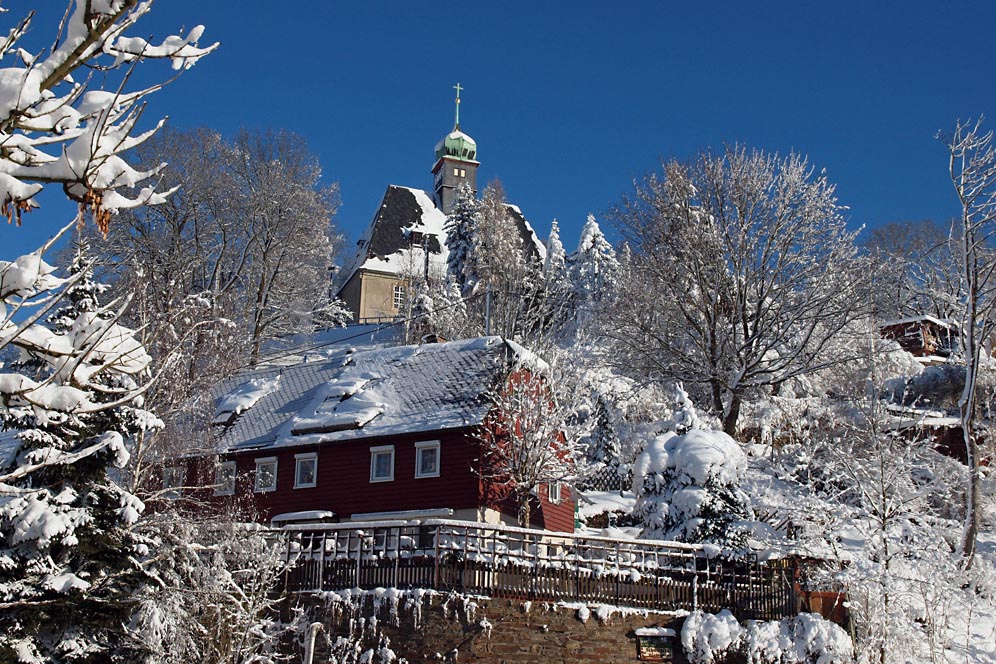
(457, 145)
(405, 220)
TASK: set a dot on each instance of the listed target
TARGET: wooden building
(367, 435)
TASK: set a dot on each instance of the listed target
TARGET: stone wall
(428, 626)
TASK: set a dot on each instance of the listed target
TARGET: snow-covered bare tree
(972, 166)
(238, 256)
(742, 271)
(56, 130)
(531, 437)
(915, 269)
(214, 599)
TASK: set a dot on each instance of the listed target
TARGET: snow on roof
(919, 319)
(318, 345)
(370, 393)
(453, 135)
(245, 396)
(387, 246)
(529, 238)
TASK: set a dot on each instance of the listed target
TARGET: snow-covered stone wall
(417, 626)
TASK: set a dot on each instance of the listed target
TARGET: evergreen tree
(68, 559)
(687, 484)
(604, 446)
(594, 271)
(461, 229)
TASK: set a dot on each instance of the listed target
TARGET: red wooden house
(924, 337)
(389, 433)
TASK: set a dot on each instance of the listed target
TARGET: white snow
(246, 395)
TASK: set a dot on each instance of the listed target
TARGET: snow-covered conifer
(70, 559)
(688, 488)
(604, 446)
(594, 271)
(461, 228)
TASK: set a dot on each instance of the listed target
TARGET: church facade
(405, 242)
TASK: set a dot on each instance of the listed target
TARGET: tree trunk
(732, 414)
(524, 509)
(717, 395)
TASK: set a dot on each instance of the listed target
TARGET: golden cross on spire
(458, 88)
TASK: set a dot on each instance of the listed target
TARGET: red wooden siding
(343, 480)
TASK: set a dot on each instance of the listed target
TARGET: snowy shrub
(707, 637)
(687, 488)
(803, 639)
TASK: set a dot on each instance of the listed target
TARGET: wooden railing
(498, 561)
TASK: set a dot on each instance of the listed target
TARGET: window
(463, 172)
(224, 479)
(399, 296)
(266, 475)
(553, 492)
(306, 470)
(173, 479)
(382, 463)
(427, 459)
(456, 172)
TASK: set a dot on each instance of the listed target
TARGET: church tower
(456, 163)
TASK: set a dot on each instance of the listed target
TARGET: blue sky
(569, 102)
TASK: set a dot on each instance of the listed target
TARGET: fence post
(321, 563)
(577, 570)
(435, 564)
(287, 561)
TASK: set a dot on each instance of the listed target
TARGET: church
(406, 239)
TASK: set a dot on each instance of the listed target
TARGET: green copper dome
(457, 145)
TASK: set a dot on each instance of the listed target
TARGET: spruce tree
(594, 269)
(461, 229)
(68, 560)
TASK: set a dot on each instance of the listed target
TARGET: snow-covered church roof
(407, 224)
(361, 394)
(406, 221)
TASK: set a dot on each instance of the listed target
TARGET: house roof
(366, 393)
(919, 319)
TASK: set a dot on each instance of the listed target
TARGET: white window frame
(374, 453)
(398, 296)
(298, 459)
(256, 486)
(174, 477)
(225, 487)
(419, 447)
(555, 492)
